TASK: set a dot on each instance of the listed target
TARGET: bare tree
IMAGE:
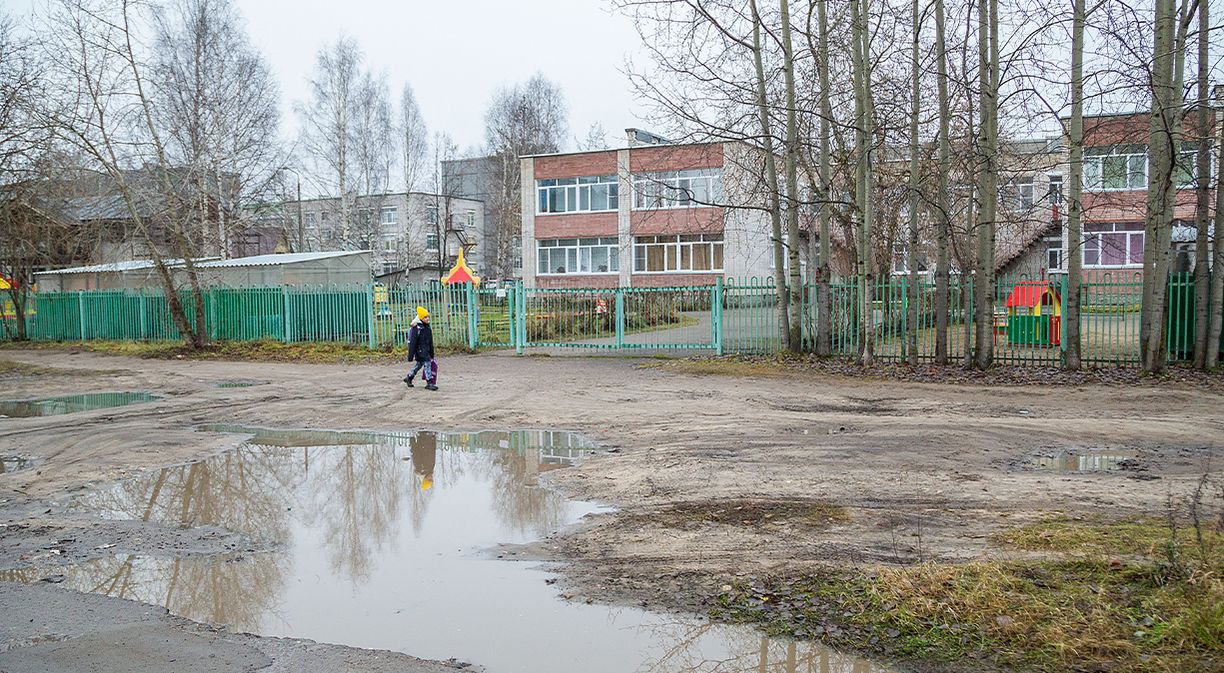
(329, 122)
(1202, 211)
(216, 103)
(102, 102)
(413, 141)
(527, 118)
(1216, 320)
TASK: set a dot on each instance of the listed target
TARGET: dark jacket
(420, 343)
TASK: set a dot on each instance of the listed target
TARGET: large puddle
(1087, 460)
(389, 540)
(68, 404)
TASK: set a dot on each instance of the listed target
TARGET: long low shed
(304, 268)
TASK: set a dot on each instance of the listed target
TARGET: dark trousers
(416, 367)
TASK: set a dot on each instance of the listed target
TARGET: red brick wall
(569, 225)
(1132, 206)
(675, 157)
(569, 282)
(676, 221)
(1133, 129)
(673, 279)
(575, 165)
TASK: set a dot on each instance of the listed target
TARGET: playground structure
(1034, 314)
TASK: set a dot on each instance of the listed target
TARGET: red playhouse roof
(461, 273)
(1028, 293)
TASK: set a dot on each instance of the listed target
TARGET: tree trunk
(1161, 152)
(943, 219)
(824, 291)
(862, 88)
(911, 321)
(796, 292)
(771, 178)
(1206, 121)
(1216, 321)
(1075, 260)
(988, 190)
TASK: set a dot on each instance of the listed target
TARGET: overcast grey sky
(456, 53)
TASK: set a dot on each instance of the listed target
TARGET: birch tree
(413, 141)
(328, 122)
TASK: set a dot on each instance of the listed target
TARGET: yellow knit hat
(422, 313)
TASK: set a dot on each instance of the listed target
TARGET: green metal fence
(735, 316)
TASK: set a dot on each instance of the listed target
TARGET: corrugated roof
(279, 259)
(131, 265)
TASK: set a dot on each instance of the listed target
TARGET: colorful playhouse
(1034, 314)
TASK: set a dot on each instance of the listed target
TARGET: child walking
(421, 350)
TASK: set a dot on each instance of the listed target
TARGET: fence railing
(725, 317)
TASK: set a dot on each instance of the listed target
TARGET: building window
(389, 243)
(326, 217)
(431, 242)
(576, 195)
(678, 253)
(1116, 168)
(901, 259)
(390, 216)
(577, 255)
(1026, 192)
(431, 214)
(1113, 244)
(677, 189)
(365, 216)
(1185, 172)
(1054, 253)
(516, 252)
(469, 219)
(1055, 191)
(311, 220)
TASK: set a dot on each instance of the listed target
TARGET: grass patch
(9, 368)
(262, 351)
(747, 513)
(1158, 608)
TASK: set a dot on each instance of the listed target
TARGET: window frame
(652, 186)
(1092, 243)
(579, 189)
(388, 210)
(673, 253)
(436, 242)
(576, 251)
(1098, 155)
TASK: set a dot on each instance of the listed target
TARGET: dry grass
(1125, 597)
(262, 351)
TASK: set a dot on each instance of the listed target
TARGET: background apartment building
(649, 215)
(412, 236)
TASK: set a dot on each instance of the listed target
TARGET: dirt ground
(913, 470)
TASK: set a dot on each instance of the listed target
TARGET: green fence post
(473, 322)
(1062, 321)
(285, 314)
(81, 312)
(716, 315)
(370, 315)
(144, 319)
(515, 308)
(620, 317)
(523, 308)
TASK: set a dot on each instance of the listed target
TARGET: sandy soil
(925, 471)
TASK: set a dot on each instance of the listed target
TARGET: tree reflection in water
(368, 526)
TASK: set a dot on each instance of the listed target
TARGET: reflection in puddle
(67, 404)
(385, 540)
(15, 464)
(240, 383)
(1086, 461)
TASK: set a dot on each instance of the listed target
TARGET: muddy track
(924, 471)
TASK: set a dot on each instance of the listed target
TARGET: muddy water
(389, 540)
(67, 404)
(1086, 461)
(15, 464)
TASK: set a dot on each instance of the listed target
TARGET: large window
(1113, 244)
(1120, 167)
(431, 242)
(1185, 172)
(577, 255)
(577, 195)
(678, 253)
(677, 189)
(390, 216)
